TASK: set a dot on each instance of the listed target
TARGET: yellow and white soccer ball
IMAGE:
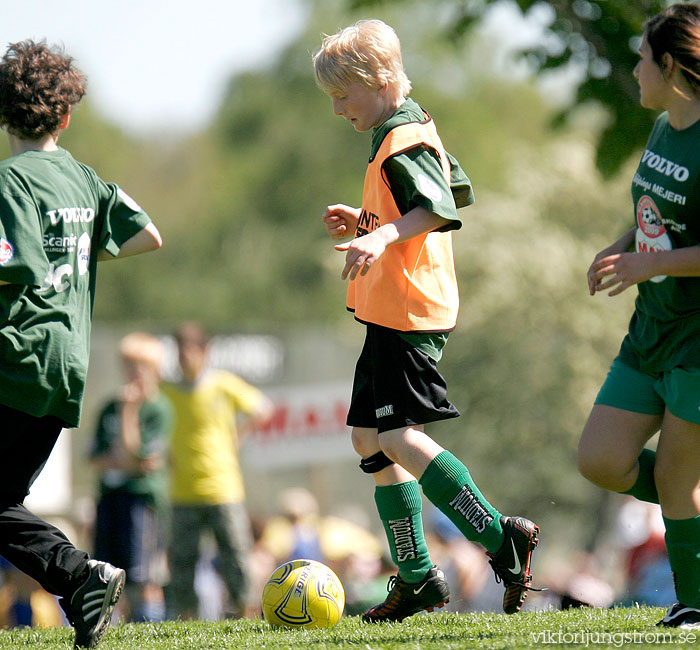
(303, 593)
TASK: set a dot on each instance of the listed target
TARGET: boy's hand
(362, 252)
(341, 220)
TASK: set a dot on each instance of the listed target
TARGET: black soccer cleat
(680, 616)
(90, 608)
(406, 599)
(511, 563)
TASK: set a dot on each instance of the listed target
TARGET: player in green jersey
(654, 383)
(129, 454)
(57, 219)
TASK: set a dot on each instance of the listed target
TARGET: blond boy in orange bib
(402, 286)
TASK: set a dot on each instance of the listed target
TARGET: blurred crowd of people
(170, 509)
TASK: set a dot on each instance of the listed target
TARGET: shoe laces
(510, 583)
(499, 577)
(392, 601)
(394, 586)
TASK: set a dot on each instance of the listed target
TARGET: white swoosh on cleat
(516, 567)
(417, 591)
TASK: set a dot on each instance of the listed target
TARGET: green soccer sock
(644, 487)
(683, 546)
(400, 509)
(449, 486)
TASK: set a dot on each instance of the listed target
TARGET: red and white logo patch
(651, 235)
(7, 251)
(649, 217)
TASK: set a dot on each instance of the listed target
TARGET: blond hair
(368, 52)
(142, 347)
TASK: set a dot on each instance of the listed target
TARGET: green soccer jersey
(155, 423)
(416, 179)
(664, 332)
(55, 214)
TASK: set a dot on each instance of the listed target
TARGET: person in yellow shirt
(206, 485)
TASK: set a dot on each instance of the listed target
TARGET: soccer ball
(303, 593)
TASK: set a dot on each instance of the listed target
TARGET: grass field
(575, 628)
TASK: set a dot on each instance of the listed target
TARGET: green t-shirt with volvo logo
(55, 214)
(664, 332)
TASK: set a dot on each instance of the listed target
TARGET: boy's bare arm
(363, 251)
(145, 240)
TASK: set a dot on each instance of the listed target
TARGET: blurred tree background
(595, 40)
(547, 133)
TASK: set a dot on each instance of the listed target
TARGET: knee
(603, 470)
(394, 443)
(592, 466)
(365, 442)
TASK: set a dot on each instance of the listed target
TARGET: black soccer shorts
(396, 385)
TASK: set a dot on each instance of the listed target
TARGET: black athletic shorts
(396, 385)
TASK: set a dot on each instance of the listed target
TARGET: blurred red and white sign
(308, 426)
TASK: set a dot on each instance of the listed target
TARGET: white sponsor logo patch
(429, 188)
(651, 235)
(83, 253)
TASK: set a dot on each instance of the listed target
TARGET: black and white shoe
(680, 616)
(406, 599)
(511, 563)
(89, 609)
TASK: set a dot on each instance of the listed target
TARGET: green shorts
(677, 390)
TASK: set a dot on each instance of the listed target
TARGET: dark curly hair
(38, 86)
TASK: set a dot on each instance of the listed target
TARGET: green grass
(576, 628)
